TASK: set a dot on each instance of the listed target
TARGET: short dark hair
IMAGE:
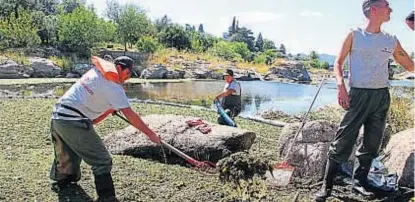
(228, 72)
(410, 17)
(124, 61)
(367, 4)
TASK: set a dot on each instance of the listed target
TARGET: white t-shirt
(234, 86)
(92, 95)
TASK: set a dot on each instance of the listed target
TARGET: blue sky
(301, 25)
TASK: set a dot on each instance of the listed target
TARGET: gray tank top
(369, 59)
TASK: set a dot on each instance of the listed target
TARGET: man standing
(368, 101)
(231, 95)
(96, 95)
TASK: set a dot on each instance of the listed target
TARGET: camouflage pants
(73, 142)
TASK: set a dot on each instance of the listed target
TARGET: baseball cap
(126, 62)
(228, 72)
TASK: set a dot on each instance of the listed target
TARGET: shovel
(190, 160)
(281, 173)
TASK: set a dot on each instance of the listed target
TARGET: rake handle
(304, 119)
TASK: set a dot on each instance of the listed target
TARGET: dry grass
(163, 56)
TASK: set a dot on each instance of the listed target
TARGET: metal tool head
(280, 175)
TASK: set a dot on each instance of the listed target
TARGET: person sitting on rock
(368, 100)
(231, 97)
(97, 94)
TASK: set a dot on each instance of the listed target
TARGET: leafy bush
(174, 36)
(18, 32)
(147, 44)
(230, 50)
(63, 63)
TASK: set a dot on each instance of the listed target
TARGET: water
(258, 96)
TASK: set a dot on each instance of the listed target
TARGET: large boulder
(81, 68)
(291, 70)
(156, 72)
(43, 67)
(246, 75)
(220, 142)
(9, 69)
(400, 157)
(309, 151)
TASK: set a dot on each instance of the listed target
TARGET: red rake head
(205, 164)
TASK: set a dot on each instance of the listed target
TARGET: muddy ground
(26, 155)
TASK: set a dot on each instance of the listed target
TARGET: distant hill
(322, 57)
(327, 58)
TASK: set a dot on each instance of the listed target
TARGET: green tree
(259, 44)
(174, 36)
(201, 30)
(241, 49)
(113, 10)
(244, 35)
(18, 32)
(268, 45)
(107, 31)
(313, 55)
(162, 23)
(51, 24)
(314, 63)
(325, 65)
(283, 49)
(78, 30)
(147, 44)
(133, 24)
(233, 51)
(233, 27)
(70, 6)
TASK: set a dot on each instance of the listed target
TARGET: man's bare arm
(338, 65)
(403, 58)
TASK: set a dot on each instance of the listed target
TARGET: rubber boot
(105, 188)
(330, 172)
(360, 175)
(60, 185)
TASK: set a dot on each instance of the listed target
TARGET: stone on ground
(221, 142)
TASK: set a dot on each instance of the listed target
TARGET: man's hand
(343, 97)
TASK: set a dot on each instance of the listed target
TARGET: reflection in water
(257, 96)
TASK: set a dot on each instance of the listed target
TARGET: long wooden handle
(179, 153)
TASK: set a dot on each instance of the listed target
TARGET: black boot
(330, 172)
(360, 175)
(105, 187)
(60, 185)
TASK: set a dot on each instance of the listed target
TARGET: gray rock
(309, 151)
(213, 146)
(9, 69)
(72, 75)
(291, 70)
(157, 72)
(400, 157)
(81, 68)
(43, 67)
